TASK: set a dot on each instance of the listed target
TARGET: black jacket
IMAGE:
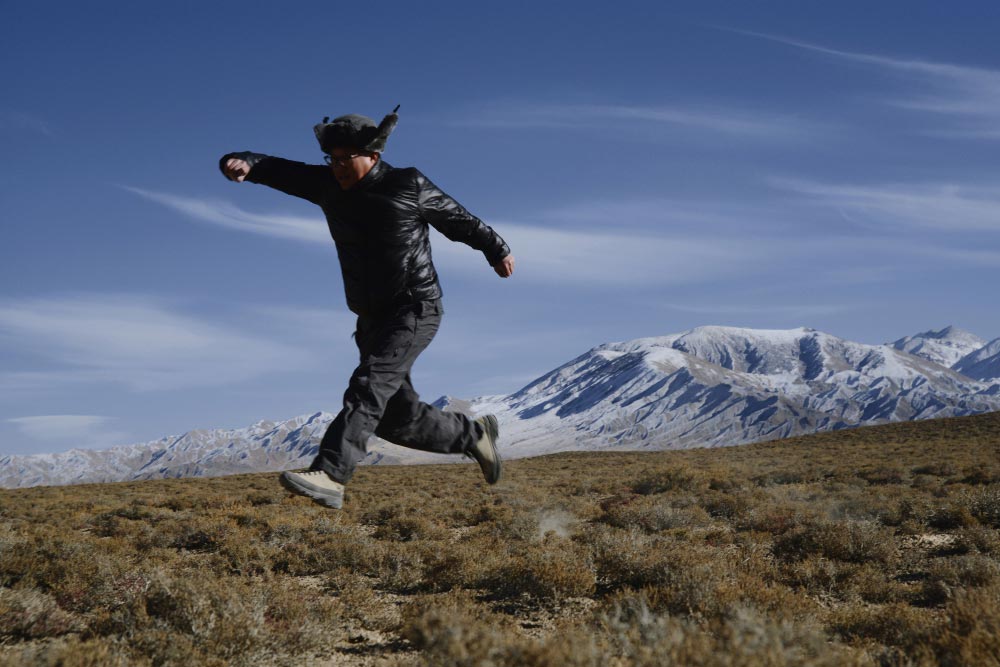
(380, 227)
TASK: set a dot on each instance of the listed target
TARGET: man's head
(350, 164)
(356, 135)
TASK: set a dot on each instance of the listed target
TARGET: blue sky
(653, 167)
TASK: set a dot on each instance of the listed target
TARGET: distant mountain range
(710, 386)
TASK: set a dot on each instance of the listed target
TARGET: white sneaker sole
(492, 431)
(322, 496)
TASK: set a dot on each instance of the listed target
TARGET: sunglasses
(341, 161)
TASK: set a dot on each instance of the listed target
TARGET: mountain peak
(982, 364)
(945, 346)
(721, 329)
(950, 331)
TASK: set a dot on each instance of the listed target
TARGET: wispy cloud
(89, 431)
(304, 319)
(655, 212)
(715, 119)
(311, 230)
(132, 341)
(583, 257)
(577, 255)
(643, 242)
(958, 255)
(17, 121)
(931, 206)
(304, 323)
(761, 309)
(970, 95)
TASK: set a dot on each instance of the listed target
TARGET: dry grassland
(871, 546)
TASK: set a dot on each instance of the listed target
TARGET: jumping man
(378, 216)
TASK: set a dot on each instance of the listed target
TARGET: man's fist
(236, 169)
(505, 266)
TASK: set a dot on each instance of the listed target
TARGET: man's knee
(374, 389)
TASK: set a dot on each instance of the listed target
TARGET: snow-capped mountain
(714, 386)
(982, 364)
(710, 386)
(263, 447)
(944, 347)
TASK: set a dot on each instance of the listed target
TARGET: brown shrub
(970, 634)
(550, 572)
(937, 469)
(72, 652)
(869, 582)
(625, 557)
(358, 600)
(964, 571)
(981, 475)
(167, 646)
(700, 589)
(950, 517)
(740, 637)
(899, 511)
(224, 620)
(453, 630)
(653, 514)
(405, 528)
(663, 480)
(193, 538)
(773, 519)
(979, 538)
(883, 475)
(729, 506)
(815, 575)
(257, 499)
(400, 567)
(246, 558)
(296, 616)
(321, 553)
(984, 504)
(29, 614)
(779, 477)
(895, 624)
(852, 541)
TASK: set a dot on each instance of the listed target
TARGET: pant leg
(410, 422)
(388, 349)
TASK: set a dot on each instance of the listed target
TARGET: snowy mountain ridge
(708, 386)
(945, 346)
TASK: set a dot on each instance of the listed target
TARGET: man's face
(350, 165)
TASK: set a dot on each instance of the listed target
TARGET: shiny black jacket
(380, 227)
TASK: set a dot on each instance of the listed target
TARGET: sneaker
(485, 450)
(317, 485)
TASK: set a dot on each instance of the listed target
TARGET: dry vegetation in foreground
(872, 546)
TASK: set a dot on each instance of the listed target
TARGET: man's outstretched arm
(295, 178)
(452, 219)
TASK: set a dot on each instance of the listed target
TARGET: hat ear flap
(318, 130)
(385, 128)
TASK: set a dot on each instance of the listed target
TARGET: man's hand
(505, 266)
(236, 169)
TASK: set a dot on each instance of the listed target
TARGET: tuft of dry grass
(877, 545)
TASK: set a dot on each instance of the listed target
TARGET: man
(378, 216)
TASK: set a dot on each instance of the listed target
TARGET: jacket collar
(374, 174)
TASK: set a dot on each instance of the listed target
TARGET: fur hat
(355, 131)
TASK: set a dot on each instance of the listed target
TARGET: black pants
(380, 398)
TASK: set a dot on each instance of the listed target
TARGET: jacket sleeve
(451, 219)
(294, 178)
